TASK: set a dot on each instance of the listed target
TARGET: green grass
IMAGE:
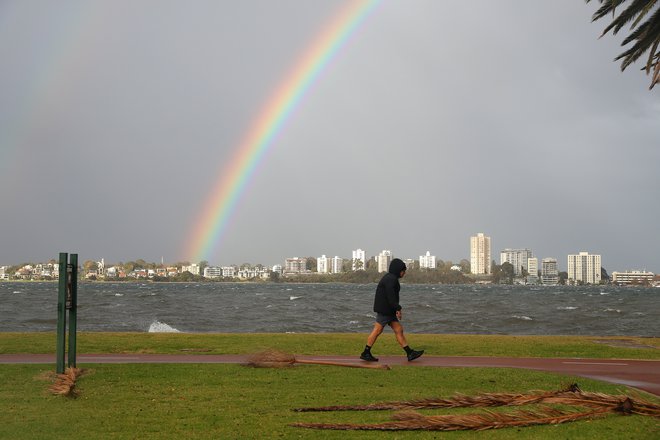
(221, 401)
(337, 343)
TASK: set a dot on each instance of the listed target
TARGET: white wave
(119, 294)
(523, 317)
(353, 322)
(612, 310)
(161, 327)
(293, 297)
(566, 308)
(604, 293)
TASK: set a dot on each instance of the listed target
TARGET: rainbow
(221, 203)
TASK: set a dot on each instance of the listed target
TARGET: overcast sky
(437, 120)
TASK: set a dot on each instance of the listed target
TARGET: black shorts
(385, 319)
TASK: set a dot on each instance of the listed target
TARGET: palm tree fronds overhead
(644, 19)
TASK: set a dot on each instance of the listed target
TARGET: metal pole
(73, 310)
(61, 314)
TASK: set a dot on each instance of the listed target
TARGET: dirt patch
(625, 343)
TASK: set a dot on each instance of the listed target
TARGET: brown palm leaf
(278, 359)
(65, 383)
(456, 401)
(411, 420)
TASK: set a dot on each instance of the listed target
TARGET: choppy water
(280, 308)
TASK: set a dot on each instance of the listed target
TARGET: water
(322, 308)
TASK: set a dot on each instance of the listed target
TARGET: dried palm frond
(599, 404)
(410, 420)
(65, 383)
(456, 401)
(621, 403)
(616, 403)
(279, 359)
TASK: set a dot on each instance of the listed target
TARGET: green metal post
(73, 308)
(61, 314)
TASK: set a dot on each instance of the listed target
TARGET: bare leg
(398, 332)
(378, 329)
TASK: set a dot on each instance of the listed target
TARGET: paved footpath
(641, 374)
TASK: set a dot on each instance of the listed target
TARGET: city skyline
(429, 122)
(562, 262)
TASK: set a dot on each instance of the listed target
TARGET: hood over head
(396, 266)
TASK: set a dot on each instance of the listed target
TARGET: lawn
(221, 401)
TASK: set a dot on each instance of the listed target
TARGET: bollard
(67, 299)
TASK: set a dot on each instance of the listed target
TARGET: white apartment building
(295, 265)
(427, 261)
(584, 268)
(229, 271)
(532, 270)
(212, 272)
(322, 264)
(193, 269)
(518, 258)
(632, 277)
(361, 256)
(480, 254)
(336, 264)
(384, 259)
(549, 271)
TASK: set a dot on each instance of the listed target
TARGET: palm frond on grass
(411, 420)
(278, 359)
(65, 383)
(599, 405)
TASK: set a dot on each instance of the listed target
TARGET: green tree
(90, 265)
(644, 19)
(508, 272)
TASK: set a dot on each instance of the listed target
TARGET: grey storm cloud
(435, 121)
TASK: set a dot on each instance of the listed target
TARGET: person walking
(388, 312)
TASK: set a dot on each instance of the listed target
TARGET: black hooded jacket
(387, 292)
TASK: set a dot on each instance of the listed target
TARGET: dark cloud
(436, 121)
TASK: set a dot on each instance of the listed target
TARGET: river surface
(323, 308)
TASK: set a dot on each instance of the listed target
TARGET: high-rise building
(532, 270)
(480, 254)
(322, 265)
(384, 259)
(517, 258)
(584, 268)
(336, 264)
(427, 261)
(359, 260)
(549, 271)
